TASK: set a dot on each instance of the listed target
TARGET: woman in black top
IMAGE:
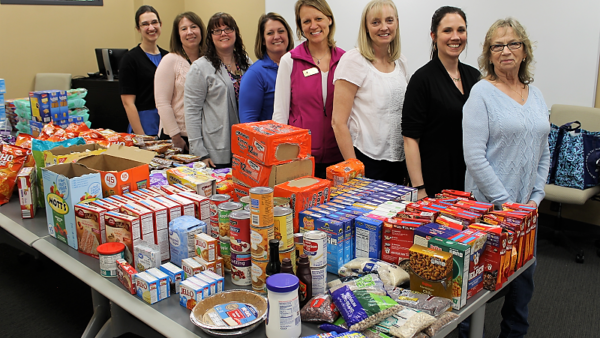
(136, 74)
(432, 112)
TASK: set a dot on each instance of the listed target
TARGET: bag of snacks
(445, 319)
(390, 275)
(339, 326)
(405, 323)
(11, 161)
(432, 305)
(369, 282)
(319, 309)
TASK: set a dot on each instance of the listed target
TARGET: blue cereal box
(164, 287)
(368, 237)
(306, 220)
(347, 223)
(335, 242)
(175, 274)
(190, 295)
(146, 287)
(182, 232)
(40, 106)
(2, 86)
(64, 186)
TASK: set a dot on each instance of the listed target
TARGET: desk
(167, 317)
(104, 102)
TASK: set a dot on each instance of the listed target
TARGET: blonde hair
(525, 69)
(365, 44)
(323, 7)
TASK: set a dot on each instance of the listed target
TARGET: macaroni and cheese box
(147, 287)
(461, 254)
(91, 231)
(255, 174)
(303, 193)
(65, 185)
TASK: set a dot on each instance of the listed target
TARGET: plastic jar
(108, 253)
(283, 313)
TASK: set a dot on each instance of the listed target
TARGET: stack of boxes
(2, 104)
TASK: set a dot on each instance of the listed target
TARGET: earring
(523, 59)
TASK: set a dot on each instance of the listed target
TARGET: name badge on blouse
(310, 71)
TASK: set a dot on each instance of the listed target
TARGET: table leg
(477, 320)
(123, 322)
(100, 317)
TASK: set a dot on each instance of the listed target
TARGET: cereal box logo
(110, 180)
(57, 204)
(124, 176)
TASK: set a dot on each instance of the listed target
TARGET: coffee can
(319, 280)
(315, 247)
(241, 266)
(291, 254)
(259, 241)
(224, 210)
(284, 227)
(259, 275)
(261, 206)
(239, 231)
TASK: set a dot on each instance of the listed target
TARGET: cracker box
(461, 254)
(187, 205)
(182, 237)
(91, 230)
(26, 180)
(123, 169)
(62, 154)
(40, 106)
(206, 247)
(124, 229)
(173, 209)
(477, 240)
(516, 223)
(254, 174)
(190, 267)
(335, 242)
(65, 185)
(269, 142)
(533, 214)
(164, 287)
(147, 287)
(161, 227)
(190, 295)
(215, 266)
(431, 271)
(345, 171)
(218, 278)
(146, 217)
(368, 237)
(126, 275)
(303, 193)
(175, 274)
(201, 205)
(201, 183)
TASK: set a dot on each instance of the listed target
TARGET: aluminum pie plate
(248, 297)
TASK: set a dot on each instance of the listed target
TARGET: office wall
(167, 9)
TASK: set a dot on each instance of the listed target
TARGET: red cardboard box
(146, 217)
(269, 142)
(254, 174)
(187, 205)
(494, 256)
(173, 209)
(91, 231)
(26, 179)
(161, 227)
(201, 205)
(303, 193)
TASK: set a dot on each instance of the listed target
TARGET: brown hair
(259, 47)
(145, 9)
(437, 17)
(239, 51)
(323, 7)
(176, 44)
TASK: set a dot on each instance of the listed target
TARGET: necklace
(455, 79)
(318, 59)
(509, 87)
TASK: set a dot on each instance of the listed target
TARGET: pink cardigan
(169, 82)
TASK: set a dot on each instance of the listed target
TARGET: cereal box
(161, 227)
(164, 287)
(494, 256)
(477, 240)
(254, 174)
(126, 275)
(431, 271)
(303, 193)
(461, 254)
(91, 231)
(175, 275)
(190, 295)
(201, 183)
(26, 180)
(269, 142)
(182, 237)
(65, 185)
(368, 237)
(147, 287)
(206, 247)
(124, 229)
(345, 171)
(425, 232)
(335, 242)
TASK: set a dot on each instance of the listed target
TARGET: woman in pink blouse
(187, 39)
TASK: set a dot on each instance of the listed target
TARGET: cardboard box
(426, 232)
(123, 169)
(368, 237)
(307, 218)
(65, 185)
(173, 209)
(431, 271)
(201, 205)
(147, 287)
(40, 107)
(206, 247)
(175, 274)
(477, 240)
(191, 294)
(494, 256)
(126, 275)
(397, 239)
(335, 242)
(461, 255)
(269, 142)
(161, 227)
(201, 183)
(304, 193)
(26, 180)
(146, 218)
(187, 206)
(240, 190)
(105, 204)
(164, 287)
(190, 267)
(255, 174)
(91, 230)
(122, 228)
(345, 171)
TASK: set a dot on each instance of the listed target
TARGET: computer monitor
(108, 62)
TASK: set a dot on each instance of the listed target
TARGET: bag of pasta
(12, 159)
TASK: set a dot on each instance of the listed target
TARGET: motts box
(304, 193)
(62, 154)
(269, 142)
(255, 174)
(123, 169)
(64, 186)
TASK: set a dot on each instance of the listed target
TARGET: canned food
(224, 210)
(241, 265)
(245, 200)
(259, 276)
(259, 242)
(247, 208)
(291, 254)
(239, 231)
(283, 202)
(261, 206)
(315, 247)
(284, 227)
(215, 201)
(108, 253)
(226, 254)
(299, 244)
(319, 280)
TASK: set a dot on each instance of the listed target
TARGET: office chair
(51, 81)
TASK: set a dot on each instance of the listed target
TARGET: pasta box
(461, 255)
(65, 185)
(269, 142)
(201, 183)
(254, 174)
(303, 193)
(123, 169)
(431, 271)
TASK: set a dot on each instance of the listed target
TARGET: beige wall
(598, 89)
(30, 44)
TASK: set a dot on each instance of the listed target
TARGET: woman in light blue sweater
(505, 140)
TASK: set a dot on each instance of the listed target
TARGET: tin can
(241, 266)
(283, 202)
(224, 210)
(239, 231)
(259, 242)
(247, 208)
(226, 254)
(319, 280)
(315, 247)
(108, 253)
(259, 276)
(284, 227)
(261, 206)
(291, 254)
(215, 201)
(299, 245)
(245, 200)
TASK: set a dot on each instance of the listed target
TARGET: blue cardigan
(257, 91)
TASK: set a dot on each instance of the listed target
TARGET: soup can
(239, 231)
(299, 244)
(319, 280)
(284, 227)
(224, 210)
(226, 254)
(315, 247)
(245, 200)
(215, 201)
(291, 254)
(261, 206)
(241, 265)
(283, 202)
(259, 275)
(259, 242)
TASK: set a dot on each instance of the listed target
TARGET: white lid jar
(283, 313)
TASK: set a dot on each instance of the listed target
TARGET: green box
(461, 254)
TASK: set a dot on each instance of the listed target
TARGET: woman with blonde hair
(370, 83)
(304, 90)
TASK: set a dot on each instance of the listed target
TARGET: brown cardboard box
(62, 154)
(431, 271)
(254, 174)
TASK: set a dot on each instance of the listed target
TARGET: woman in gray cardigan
(212, 90)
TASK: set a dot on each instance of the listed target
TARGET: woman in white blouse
(370, 84)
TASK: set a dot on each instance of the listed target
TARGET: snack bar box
(254, 174)
(123, 169)
(201, 183)
(303, 193)
(64, 186)
(269, 142)
(345, 171)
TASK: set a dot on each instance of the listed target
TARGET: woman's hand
(209, 163)
(179, 142)
(533, 204)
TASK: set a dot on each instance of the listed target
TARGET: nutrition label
(362, 242)
(289, 314)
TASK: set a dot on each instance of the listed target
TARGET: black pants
(394, 172)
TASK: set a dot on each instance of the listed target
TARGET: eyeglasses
(153, 23)
(511, 46)
(217, 32)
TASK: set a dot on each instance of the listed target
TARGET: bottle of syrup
(274, 265)
(304, 275)
(286, 266)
